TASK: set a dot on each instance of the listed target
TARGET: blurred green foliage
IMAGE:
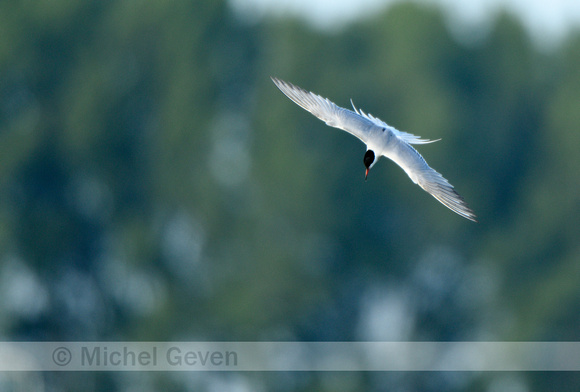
(155, 185)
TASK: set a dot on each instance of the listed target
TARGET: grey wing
(327, 111)
(427, 178)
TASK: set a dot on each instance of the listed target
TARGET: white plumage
(381, 140)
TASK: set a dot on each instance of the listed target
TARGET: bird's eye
(369, 158)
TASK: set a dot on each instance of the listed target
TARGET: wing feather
(327, 111)
(427, 178)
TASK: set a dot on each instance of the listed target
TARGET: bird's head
(369, 160)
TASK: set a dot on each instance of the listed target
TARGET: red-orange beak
(366, 173)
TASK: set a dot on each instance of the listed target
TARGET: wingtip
(281, 84)
(470, 216)
(466, 212)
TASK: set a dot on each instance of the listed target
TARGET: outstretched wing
(327, 111)
(427, 178)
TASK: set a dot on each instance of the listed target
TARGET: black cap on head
(368, 161)
(369, 158)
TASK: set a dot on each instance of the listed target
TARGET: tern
(381, 140)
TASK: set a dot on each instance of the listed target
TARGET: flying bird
(381, 140)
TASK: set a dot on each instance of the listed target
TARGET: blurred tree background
(155, 185)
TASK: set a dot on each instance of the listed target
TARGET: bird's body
(381, 140)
